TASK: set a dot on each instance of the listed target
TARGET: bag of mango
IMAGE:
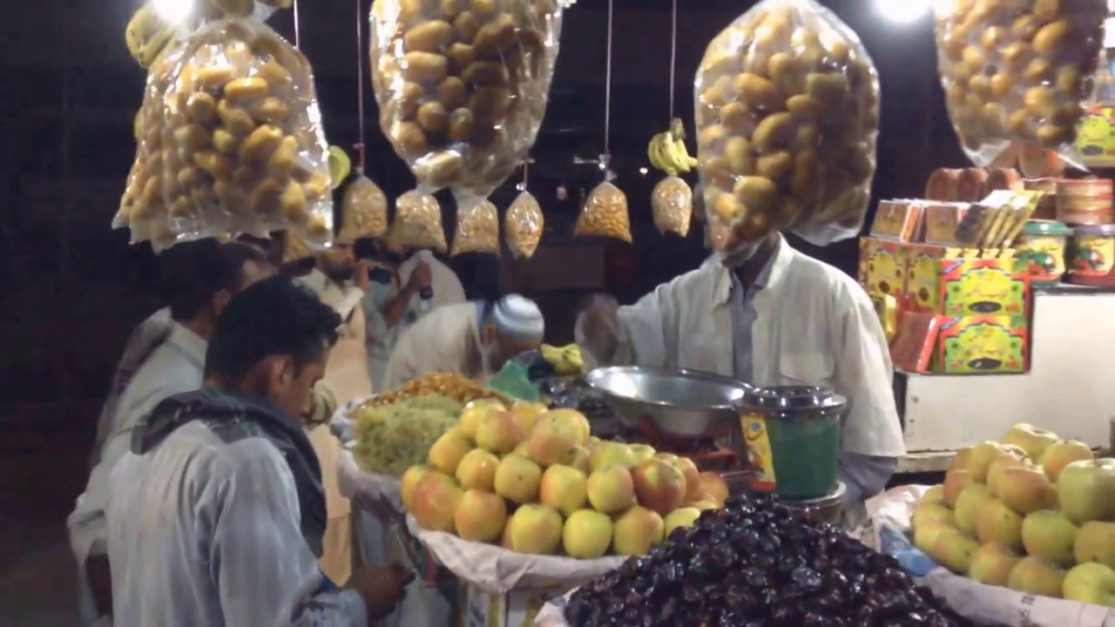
(605, 214)
(477, 229)
(231, 142)
(787, 108)
(523, 224)
(418, 221)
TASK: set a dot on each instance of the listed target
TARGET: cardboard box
(941, 220)
(981, 344)
(922, 289)
(517, 608)
(983, 287)
(882, 266)
(897, 220)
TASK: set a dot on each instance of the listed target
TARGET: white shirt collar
(770, 277)
(189, 342)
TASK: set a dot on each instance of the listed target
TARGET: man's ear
(219, 301)
(280, 373)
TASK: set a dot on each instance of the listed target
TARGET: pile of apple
(1033, 512)
(537, 481)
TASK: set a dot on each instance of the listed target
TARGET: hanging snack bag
(787, 105)
(477, 229)
(418, 221)
(363, 210)
(523, 224)
(462, 86)
(605, 214)
(231, 142)
(1015, 71)
(672, 203)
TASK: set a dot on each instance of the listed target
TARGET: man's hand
(382, 588)
(421, 276)
(598, 327)
(99, 575)
(361, 274)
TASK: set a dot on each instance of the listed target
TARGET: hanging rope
(297, 29)
(608, 89)
(359, 146)
(673, 54)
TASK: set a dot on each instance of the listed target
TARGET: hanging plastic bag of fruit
(523, 224)
(462, 86)
(231, 142)
(363, 210)
(477, 229)
(787, 104)
(605, 214)
(418, 221)
(1015, 71)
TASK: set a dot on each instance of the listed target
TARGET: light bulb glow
(902, 11)
(173, 11)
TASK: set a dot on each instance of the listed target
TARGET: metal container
(684, 403)
(793, 437)
(823, 509)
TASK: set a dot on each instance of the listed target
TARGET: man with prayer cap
(472, 339)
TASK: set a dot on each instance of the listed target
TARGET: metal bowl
(684, 403)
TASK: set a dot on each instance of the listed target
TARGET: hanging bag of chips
(605, 214)
(672, 204)
(477, 229)
(418, 221)
(1016, 71)
(523, 224)
(231, 142)
(787, 107)
(363, 210)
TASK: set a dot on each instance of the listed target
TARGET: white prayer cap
(518, 317)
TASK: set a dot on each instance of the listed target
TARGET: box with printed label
(981, 344)
(881, 266)
(983, 287)
(516, 608)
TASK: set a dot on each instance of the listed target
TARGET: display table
(1068, 389)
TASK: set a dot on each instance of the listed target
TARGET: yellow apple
(642, 451)
(979, 462)
(536, 529)
(995, 471)
(612, 454)
(998, 523)
(448, 451)
(1033, 575)
(1090, 583)
(480, 516)
(680, 518)
(659, 485)
(563, 488)
(517, 479)
(1095, 542)
(611, 489)
(636, 531)
(934, 495)
(587, 534)
(926, 534)
(1087, 490)
(955, 480)
(477, 470)
(1049, 535)
(933, 513)
(498, 432)
(992, 564)
(968, 506)
(470, 415)
(435, 500)
(1061, 454)
(1026, 489)
(960, 460)
(954, 550)
(1030, 439)
(553, 442)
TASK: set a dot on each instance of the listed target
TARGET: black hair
(272, 317)
(194, 271)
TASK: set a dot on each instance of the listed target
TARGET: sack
(231, 142)
(787, 107)
(1015, 71)
(605, 214)
(462, 87)
(363, 210)
(672, 204)
(477, 228)
(523, 224)
(418, 221)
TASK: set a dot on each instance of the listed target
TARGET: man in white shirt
(446, 286)
(200, 279)
(768, 315)
(216, 514)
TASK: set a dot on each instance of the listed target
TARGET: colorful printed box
(981, 344)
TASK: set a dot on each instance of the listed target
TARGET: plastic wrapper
(523, 224)
(231, 142)
(787, 107)
(462, 85)
(477, 229)
(605, 214)
(418, 221)
(672, 204)
(363, 210)
(1015, 71)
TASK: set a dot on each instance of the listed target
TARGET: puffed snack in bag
(523, 225)
(604, 214)
(477, 229)
(418, 221)
(364, 210)
(672, 204)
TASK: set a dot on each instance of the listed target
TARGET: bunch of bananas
(667, 151)
(147, 36)
(566, 360)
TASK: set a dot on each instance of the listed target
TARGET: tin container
(1041, 251)
(1092, 255)
(793, 438)
(824, 509)
(1084, 201)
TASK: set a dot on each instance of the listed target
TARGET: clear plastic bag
(605, 214)
(418, 221)
(462, 85)
(523, 224)
(477, 229)
(1015, 71)
(363, 210)
(231, 142)
(787, 106)
(672, 204)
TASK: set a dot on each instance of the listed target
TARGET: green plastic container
(793, 438)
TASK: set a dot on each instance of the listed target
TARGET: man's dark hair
(272, 317)
(194, 271)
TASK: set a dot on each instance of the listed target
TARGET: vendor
(472, 339)
(767, 314)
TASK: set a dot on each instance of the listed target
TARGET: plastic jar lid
(1096, 230)
(1046, 227)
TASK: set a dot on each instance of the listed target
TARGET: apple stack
(537, 481)
(1033, 512)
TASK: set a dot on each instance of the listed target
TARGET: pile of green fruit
(391, 438)
(1033, 512)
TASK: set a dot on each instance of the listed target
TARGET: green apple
(968, 505)
(1026, 489)
(992, 564)
(1049, 535)
(954, 550)
(955, 480)
(1061, 454)
(979, 462)
(1087, 490)
(997, 468)
(1090, 583)
(996, 522)
(1034, 575)
(1030, 439)
(1095, 542)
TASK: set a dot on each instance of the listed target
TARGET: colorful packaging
(1092, 254)
(897, 220)
(1041, 251)
(982, 344)
(982, 287)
